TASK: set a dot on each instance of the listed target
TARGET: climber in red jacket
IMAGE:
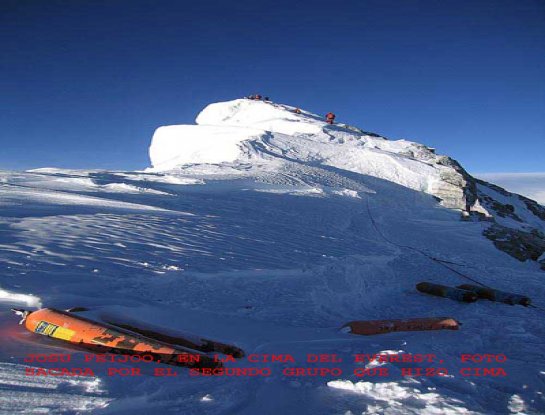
(330, 117)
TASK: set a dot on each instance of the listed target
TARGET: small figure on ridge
(330, 117)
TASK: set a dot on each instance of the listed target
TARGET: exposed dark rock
(519, 244)
(373, 134)
(502, 210)
(360, 131)
(534, 207)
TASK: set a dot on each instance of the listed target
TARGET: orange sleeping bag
(371, 327)
(108, 339)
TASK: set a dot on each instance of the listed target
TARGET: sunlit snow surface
(273, 261)
(271, 239)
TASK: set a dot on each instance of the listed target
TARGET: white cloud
(531, 185)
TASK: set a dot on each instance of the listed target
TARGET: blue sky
(84, 83)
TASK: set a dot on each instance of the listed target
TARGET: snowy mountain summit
(261, 136)
(248, 131)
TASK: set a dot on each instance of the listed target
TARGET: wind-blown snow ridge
(27, 299)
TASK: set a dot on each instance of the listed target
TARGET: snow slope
(272, 242)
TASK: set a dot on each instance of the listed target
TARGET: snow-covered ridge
(265, 133)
